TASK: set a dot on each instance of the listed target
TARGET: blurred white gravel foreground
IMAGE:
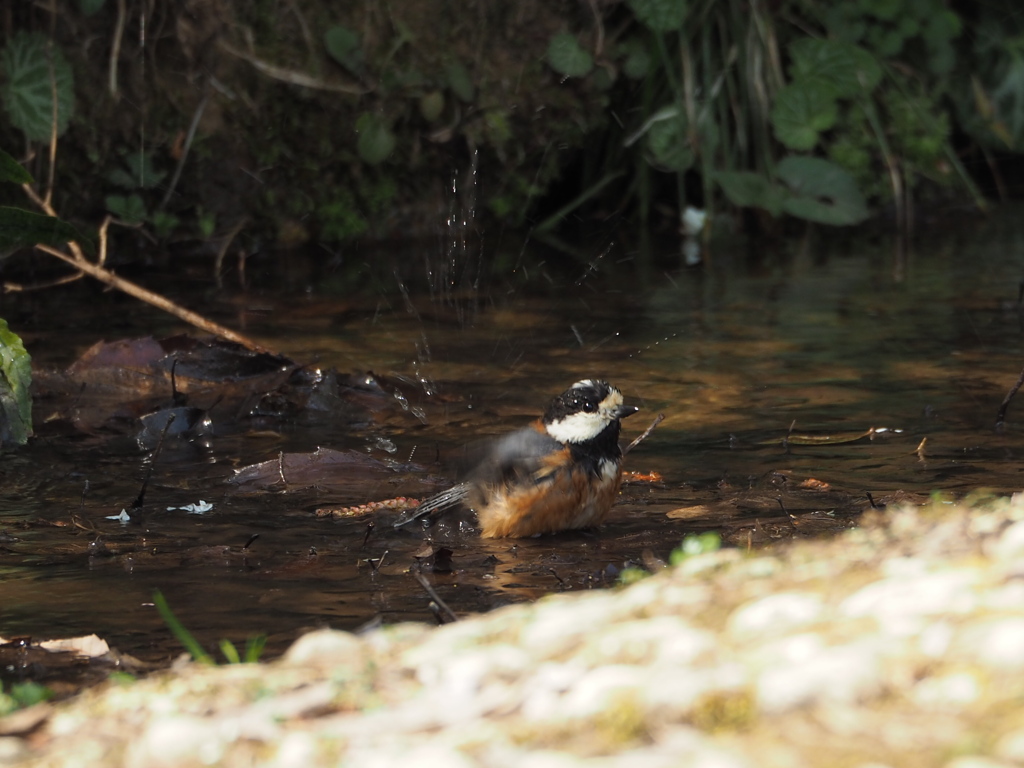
(897, 643)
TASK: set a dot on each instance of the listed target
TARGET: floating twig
(643, 435)
(1001, 413)
(434, 596)
(920, 449)
(141, 498)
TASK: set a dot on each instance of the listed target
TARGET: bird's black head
(585, 411)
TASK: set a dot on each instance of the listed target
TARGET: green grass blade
(178, 630)
(230, 652)
(254, 648)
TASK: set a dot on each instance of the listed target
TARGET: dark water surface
(829, 337)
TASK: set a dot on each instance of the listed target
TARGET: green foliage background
(323, 121)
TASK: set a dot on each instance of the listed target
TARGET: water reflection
(826, 337)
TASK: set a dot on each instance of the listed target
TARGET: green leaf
(849, 69)
(942, 27)
(90, 7)
(164, 224)
(659, 15)
(567, 57)
(751, 190)
(129, 209)
(802, 110)
(638, 59)
(821, 191)
(343, 45)
(888, 42)
(459, 80)
(23, 229)
(35, 68)
(942, 60)
(432, 106)
(15, 388)
(698, 544)
(230, 653)
(29, 693)
(12, 170)
(138, 172)
(207, 223)
(884, 10)
(376, 141)
(669, 145)
(1008, 96)
(254, 649)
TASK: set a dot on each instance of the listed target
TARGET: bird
(562, 472)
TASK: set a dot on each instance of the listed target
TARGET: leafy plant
(567, 57)
(253, 646)
(130, 209)
(137, 172)
(15, 385)
(22, 695)
(695, 544)
(806, 187)
(35, 70)
(376, 140)
(343, 45)
(692, 544)
(813, 119)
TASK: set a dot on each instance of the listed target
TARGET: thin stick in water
(643, 435)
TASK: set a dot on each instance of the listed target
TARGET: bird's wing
(518, 456)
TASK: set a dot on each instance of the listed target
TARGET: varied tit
(561, 473)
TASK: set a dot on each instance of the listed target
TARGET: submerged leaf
(15, 384)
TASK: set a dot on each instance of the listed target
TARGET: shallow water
(746, 356)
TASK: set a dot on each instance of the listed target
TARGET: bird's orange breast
(561, 499)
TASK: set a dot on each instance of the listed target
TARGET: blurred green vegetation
(312, 121)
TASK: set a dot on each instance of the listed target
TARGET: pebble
(775, 614)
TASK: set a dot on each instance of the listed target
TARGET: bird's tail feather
(435, 505)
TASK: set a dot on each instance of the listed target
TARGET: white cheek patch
(577, 427)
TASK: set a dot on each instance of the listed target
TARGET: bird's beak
(625, 410)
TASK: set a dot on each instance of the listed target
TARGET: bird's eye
(589, 406)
